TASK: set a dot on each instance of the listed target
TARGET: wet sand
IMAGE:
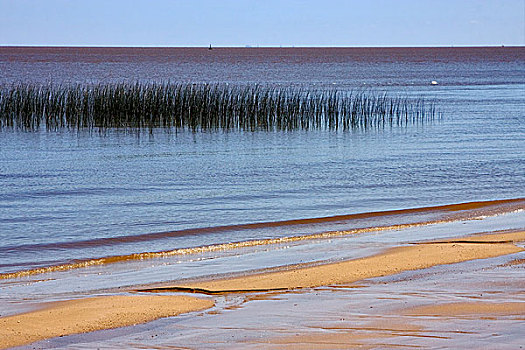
(470, 308)
(92, 314)
(373, 313)
(476, 304)
(399, 330)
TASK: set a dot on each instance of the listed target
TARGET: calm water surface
(69, 187)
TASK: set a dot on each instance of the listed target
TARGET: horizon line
(259, 46)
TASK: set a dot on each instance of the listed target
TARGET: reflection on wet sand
(375, 313)
(478, 304)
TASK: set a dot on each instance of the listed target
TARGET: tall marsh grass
(203, 107)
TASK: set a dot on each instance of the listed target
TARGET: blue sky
(262, 22)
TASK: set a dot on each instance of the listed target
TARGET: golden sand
(92, 314)
(395, 260)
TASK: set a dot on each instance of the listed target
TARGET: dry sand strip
(395, 260)
(92, 314)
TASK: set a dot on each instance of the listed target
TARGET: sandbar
(92, 314)
(392, 261)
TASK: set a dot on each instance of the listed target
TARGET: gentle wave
(509, 204)
(449, 213)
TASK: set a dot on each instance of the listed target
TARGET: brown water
(342, 66)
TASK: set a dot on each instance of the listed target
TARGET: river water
(70, 195)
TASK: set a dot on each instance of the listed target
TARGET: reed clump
(203, 107)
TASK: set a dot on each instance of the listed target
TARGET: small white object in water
(433, 82)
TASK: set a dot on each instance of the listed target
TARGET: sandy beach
(106, 312)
